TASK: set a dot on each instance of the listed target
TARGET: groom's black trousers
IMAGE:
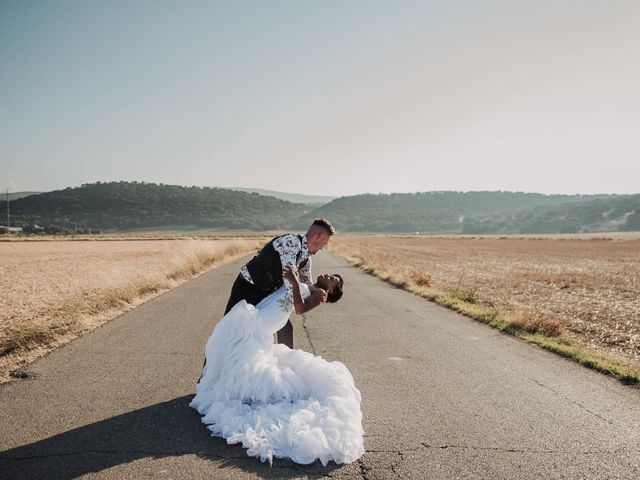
(243, 290)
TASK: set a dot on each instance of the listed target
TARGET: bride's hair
(337, 292)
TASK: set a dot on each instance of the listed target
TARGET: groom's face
(318, 241)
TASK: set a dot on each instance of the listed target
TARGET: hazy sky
(322, 97)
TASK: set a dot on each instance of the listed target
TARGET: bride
(276, 401)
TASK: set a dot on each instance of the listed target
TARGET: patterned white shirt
(288, 246)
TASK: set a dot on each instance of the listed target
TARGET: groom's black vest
(266, 267)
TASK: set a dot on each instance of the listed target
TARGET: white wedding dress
(276, 401)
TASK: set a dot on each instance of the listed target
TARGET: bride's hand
(289, 274)
(324, 296)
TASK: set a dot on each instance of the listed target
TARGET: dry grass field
(579, 297)
(54, 291)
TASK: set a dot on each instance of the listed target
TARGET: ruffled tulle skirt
(275, 401)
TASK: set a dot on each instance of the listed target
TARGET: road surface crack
(364, 470)
(519, 450)
(571, 400)
(424, 446)
(306, 331)
(395, 465)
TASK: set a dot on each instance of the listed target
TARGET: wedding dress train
(276, 401)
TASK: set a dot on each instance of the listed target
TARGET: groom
(262, 275)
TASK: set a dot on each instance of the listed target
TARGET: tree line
(111, 206)
(135, 205)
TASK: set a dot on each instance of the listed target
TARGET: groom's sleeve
(287, 247)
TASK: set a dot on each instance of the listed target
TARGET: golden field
(578, 296)
(54, 291)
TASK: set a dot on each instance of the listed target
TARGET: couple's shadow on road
(168, 429)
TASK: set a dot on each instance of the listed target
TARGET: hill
(130, 205)
(431, 212)
(17, 195)
(135, 205)
(315, 200)
(620, 213)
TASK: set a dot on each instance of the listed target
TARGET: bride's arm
(301, 306)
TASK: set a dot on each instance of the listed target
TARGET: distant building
(5, 229)
(31, 229)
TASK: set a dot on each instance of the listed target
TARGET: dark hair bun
(336, 295)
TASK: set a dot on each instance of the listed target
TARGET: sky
(337, 97)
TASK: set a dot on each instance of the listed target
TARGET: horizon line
(235, 188)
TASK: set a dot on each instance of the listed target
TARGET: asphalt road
(443, 396)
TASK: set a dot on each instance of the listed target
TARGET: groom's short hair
(326, 224)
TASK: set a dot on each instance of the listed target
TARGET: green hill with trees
(137, 205)
(620, 213)
(433, 212)
(17, 195)
(311, 200)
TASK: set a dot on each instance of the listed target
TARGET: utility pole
(8, 217)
